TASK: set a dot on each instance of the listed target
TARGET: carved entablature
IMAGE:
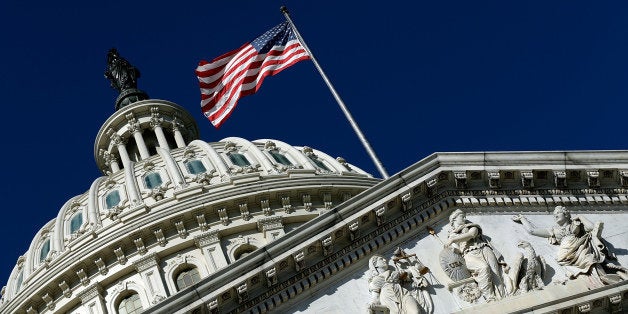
(269, 223)
(207, 238)
(91, 292)
(146, 262)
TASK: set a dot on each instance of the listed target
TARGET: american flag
(241, 72)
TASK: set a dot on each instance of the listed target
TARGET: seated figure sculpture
(386, 285)
(580, 248)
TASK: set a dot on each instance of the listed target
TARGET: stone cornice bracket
(120, 255)
(50, 303)
(527, 179)
(493, 179)
(181, 230)
(307, 202)
(299, 260)
(146, 262)
(83, 277)
(354, 230)
(461, 179)
(207, 238)
(584, 308)
(102, 268)
(285, 203)
(327, 200)
(202, 223)
(139, 244)
(31, 310)
(379, 214)
(560, 179)
(271, 276)
(222, 214)
(406, 201)
(65, 288)
(244, 211)
(328, 245)
(593, 178)
(623, 177)
(243, 293)
(265, 204)
(161, 239)
(213, 306)
(430, 186)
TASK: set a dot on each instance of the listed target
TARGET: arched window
(112, 199)
(44, 250)
(318, 162)
(280, 158)
(238, 159)
(152, 180)
(195, 166)
(187, 278)
(130, 304)
(243, 251)
(76, 222)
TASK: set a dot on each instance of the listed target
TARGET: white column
(209, 244)
(124, 155)
(155, 123)
(134, 127)
(161, 138)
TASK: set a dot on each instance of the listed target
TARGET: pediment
(325, 261)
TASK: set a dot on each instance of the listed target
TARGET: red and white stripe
(239, 73)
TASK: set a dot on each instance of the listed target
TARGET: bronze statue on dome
(120, 72)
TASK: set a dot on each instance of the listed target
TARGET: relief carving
(399, 288)
(527, 270)
(581, 249)
(471, 262)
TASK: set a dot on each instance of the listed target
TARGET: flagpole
(341, 103)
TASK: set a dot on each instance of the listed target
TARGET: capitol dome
(169, 210)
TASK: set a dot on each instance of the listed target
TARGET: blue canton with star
(277, 36)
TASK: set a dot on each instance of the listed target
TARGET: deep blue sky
(418, 78)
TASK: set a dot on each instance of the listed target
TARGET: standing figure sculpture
(386, 287)
(480, 259)
(580, 247)
(120, 72)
